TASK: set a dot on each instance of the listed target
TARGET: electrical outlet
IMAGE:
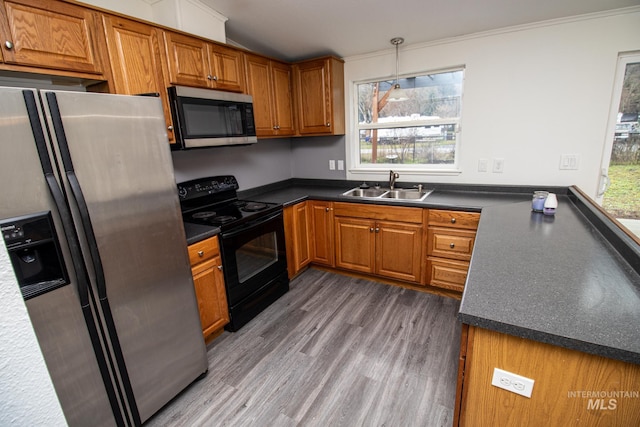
(332, 165)
(569, 162)
(498, 165)
(482, 165)
(512, 382)
(340, 165)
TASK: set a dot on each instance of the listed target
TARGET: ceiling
(300, 29)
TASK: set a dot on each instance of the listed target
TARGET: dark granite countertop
(555, 279)
(197, 232)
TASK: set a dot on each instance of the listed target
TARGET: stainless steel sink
(408, 194)
(385, 193)
(369, 192)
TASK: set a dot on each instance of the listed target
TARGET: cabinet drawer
(453, 219)
(448, 274)
(204, 250)
(449, 243)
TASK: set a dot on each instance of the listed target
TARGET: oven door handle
(250, 225)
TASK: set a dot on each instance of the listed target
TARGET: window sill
(404, 170)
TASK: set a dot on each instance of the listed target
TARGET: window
(420, 133)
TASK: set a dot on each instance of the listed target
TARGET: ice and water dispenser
(35, 254)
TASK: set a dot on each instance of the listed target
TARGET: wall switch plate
(512, 382)
(498, 165)
(340, 165)
(482, 165)
(569, 162)
(332, 165)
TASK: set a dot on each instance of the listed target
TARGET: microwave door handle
(250, 225)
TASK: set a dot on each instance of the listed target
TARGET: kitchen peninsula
(559, 294)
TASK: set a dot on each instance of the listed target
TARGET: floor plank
(334, 351)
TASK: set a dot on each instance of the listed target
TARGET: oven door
(253, 255)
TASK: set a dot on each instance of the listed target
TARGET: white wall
(27, 397)
(531, 93)
(191, 16)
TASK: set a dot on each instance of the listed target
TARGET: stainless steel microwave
(210, 118)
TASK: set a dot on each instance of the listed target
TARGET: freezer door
(118, 167)
(56, 315)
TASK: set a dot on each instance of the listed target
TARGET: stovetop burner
(214, 201)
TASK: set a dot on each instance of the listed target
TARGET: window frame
(353, 141)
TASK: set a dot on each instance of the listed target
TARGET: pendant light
(397, 94)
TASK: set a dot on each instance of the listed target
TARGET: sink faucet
(392, 178)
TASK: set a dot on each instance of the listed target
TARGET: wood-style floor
(334, 351)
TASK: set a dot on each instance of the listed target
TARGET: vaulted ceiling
(298, 29)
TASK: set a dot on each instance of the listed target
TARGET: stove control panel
(206, 186)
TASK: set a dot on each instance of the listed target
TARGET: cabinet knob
(328, 124)
(377, 230)
(8, 45)
(326, 209)
(371, 230)
(453, 220)
(200, 254)
(169, 127)
(209, 77)
(452, 245)
(220, 267)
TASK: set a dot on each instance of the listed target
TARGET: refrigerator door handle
(87, 227)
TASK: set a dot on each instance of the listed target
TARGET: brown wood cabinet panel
(269, 82)
(195, 62)
(398, 250)
(389, 213)
(297, 236)
(319, 94)
(136, 61)
(355, 244)
(446, 273)
(322, 238)
(208, 280)
(188, 59)
(450, 243)
(53, 35)
(453, 219)
(561, 377)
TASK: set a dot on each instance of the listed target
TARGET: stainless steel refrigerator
(90, 215)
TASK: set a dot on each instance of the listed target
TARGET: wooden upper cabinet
(52, 35)
(269, 83)
(319, 95)
(136, 60)
(194, 62)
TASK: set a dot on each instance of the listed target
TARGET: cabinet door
(322, 249)
(313, 97)
(136, 61)
(296, 230)
(355, 244)
(227, 68)
(398, 253)
(282, 98)
(188, 59)
(51, 34)
(259, 87)
(210, 293)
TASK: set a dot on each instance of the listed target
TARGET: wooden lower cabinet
(208, 279)
(450, 239)
(297, 233)
(571, 388)
(368, 240)
(321, 227)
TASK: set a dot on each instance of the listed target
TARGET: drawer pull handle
(200, 254)
(452, 245)
(453, 220)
